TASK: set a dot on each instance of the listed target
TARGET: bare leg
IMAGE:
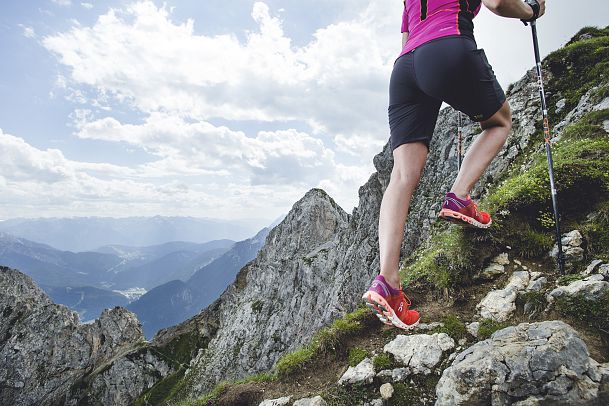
(483, 150)
(408, 163)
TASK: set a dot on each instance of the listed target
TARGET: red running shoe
(464, 212)
(391, 306)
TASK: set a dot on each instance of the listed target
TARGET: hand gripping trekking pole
(548, 144)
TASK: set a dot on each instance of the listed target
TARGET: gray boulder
(544, 361)
(362, 373)
(420, 353)
(590, 288)
(573, 251)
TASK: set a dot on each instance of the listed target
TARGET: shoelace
(406, 299)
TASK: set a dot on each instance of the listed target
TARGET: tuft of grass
(442, 262)
(346, 396)
(383, 361)
(593, 313)
(356, 355)
(488, 327)
(568, 279)
(325, 340)
(596, 233)
(453, 326)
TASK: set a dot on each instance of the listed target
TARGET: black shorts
(449, 69)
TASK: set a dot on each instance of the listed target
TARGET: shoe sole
(462, 219)
(384, 312)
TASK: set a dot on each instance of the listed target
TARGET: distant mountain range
(176, 301)
(163, 284)
(88, 282)
(88, 233)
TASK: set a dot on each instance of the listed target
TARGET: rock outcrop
(539, 362)
(44, 349)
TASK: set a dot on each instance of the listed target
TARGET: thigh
(412, 113)
(455, 71)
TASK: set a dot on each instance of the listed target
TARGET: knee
(502, 119)
(405, 178)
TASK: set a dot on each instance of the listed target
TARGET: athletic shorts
(449, 69)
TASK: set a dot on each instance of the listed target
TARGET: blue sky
(211, 109)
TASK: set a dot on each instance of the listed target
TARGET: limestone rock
(386, 391)
(44, 349)
(500, 304)
(473, 328)
(546, 361)
(590, 288)
(361, 373)
(496, 267)
(560, 105)
(573, 251)
(276, 402)
(316, 401)
(592, 267)
(420, 353)
(604, 270)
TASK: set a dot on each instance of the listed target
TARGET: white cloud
(62, 2)
(36, 181)
(285, 156)
(338, 81)
(180, 81)
(28, 32)
(88, 6)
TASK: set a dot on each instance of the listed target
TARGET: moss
(578, 66)
(383, 361)
(488, 327)
(442, 262)
(453, 326)
(356, 355)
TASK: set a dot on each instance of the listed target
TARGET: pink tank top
(425, 20)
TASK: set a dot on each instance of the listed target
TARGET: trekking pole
(459, 139)
(548, 144)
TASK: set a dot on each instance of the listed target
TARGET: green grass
(568, 279)
(356, 355)
(453, 326)
(488, 327)
(346, 396)
(383, 361)
(596, 233)
(577, 67)
(441, 262)
(593, 314)
(325, 340)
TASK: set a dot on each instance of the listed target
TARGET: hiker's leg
(408, 163)
(483, 150)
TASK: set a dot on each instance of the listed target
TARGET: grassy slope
(443, 269)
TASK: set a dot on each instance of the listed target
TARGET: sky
(211, 108)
